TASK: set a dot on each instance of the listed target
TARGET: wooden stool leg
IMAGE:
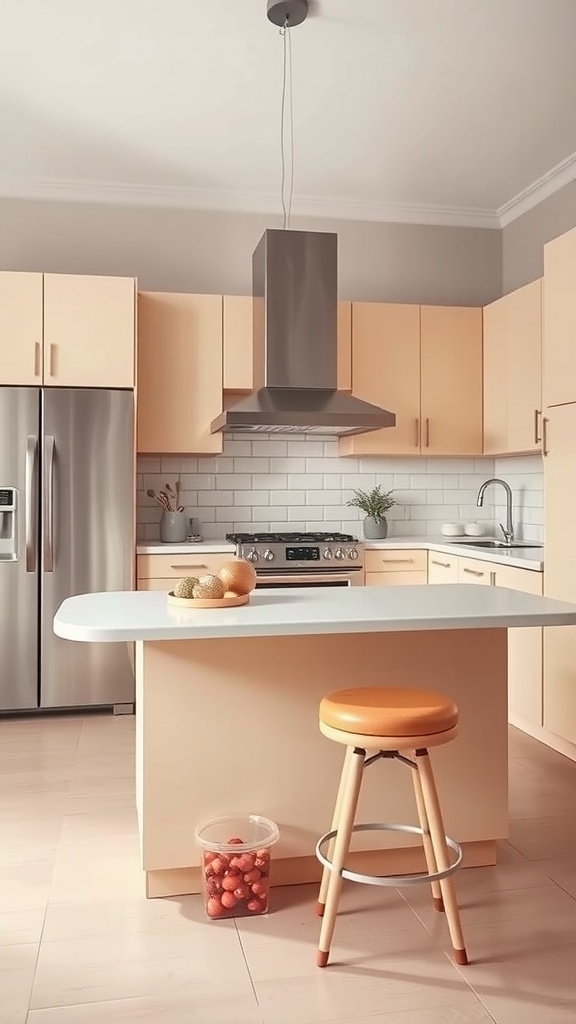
(438, 836)
(426, 840)
(349, 803)
(334, 826)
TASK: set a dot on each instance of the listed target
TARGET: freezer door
(87, 536)
(19, 429)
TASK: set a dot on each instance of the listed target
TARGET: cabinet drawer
(158, 583)
(395, 579)
(471, 570)
(176, 566)
(526, 580)
(396, 560)
(442, 568)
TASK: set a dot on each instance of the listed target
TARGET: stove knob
(252, 555)
(327, 553)
(352, 553)
(339, 554)
(268, 555)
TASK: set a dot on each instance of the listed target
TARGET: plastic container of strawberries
(236, 860)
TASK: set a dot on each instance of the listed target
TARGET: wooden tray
(205, 602)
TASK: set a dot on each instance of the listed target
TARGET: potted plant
(375, 504)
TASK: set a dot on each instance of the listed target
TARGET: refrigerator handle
(31, 499)
(48, 510)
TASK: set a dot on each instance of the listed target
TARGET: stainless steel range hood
(294, 287)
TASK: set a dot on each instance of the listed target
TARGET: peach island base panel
(227, 714)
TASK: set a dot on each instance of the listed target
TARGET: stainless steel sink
(501, 544)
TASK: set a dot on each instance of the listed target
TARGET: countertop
(146, 615)
(521, 558)
(208, 547)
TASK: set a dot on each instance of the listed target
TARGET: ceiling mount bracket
(285, 13)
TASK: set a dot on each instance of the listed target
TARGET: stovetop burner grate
(291, 538)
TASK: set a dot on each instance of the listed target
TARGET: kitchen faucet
(509, 530)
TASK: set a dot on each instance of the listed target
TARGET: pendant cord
(286, 113)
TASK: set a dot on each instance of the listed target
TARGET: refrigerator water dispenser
(8, 524)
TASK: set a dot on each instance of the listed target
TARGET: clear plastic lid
(254, 831)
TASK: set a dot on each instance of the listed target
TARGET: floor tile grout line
(28, 1011)
(562, 889)
(252, 983)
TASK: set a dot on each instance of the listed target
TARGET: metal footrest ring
(395, 881)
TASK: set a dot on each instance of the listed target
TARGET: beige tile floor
(80, 945)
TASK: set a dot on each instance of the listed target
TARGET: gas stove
(295, 552)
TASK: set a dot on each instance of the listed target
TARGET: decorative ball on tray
(229, 587)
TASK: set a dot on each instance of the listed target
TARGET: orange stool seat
(389, 711)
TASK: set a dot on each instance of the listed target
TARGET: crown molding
(222, 201)
(543, 188)
(246, 202)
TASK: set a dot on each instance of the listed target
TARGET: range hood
(295, 289)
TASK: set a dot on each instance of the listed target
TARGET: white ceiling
(439, 111)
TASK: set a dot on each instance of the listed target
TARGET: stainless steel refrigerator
(66, 527)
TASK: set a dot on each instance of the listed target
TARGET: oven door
(282, 580)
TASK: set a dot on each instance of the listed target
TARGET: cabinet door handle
(545, 422)
(51, 359)
(197, 565)
(37, 359)
(417, 433)
(443, 565)
(537, 437)
(427, 435)
(474, 572)
(397, 561)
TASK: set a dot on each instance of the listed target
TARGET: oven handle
(305, 578)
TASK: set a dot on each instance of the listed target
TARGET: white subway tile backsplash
(262, 514)
(303, 483)
(269, 481)
(358, 481)
(148, 464)
(215, 498)
(250, 465)
(235, 447)
(198, 481)
(288, 497)
(271, 447)
(303, 511)
(170, 464)
(215, 464)
(241, 515)
(233, 481)
(305, 480)
(425, 481)
(287, 465)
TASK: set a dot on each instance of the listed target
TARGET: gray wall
(524, 238)
(186, 250)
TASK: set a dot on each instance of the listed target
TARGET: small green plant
(375, 503)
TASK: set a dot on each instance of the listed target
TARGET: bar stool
(388, 720)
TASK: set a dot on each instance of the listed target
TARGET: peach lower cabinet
(227, 713)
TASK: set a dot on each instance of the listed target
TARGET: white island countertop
(146, 615)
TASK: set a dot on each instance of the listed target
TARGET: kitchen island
(227, 713)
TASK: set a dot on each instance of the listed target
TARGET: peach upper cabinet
(513, 372)
(559, 342)
(20, 328)
(67, 330)
(180, 372)
(237, 335)
(451, 380)
(425, 365)
(89, 331)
